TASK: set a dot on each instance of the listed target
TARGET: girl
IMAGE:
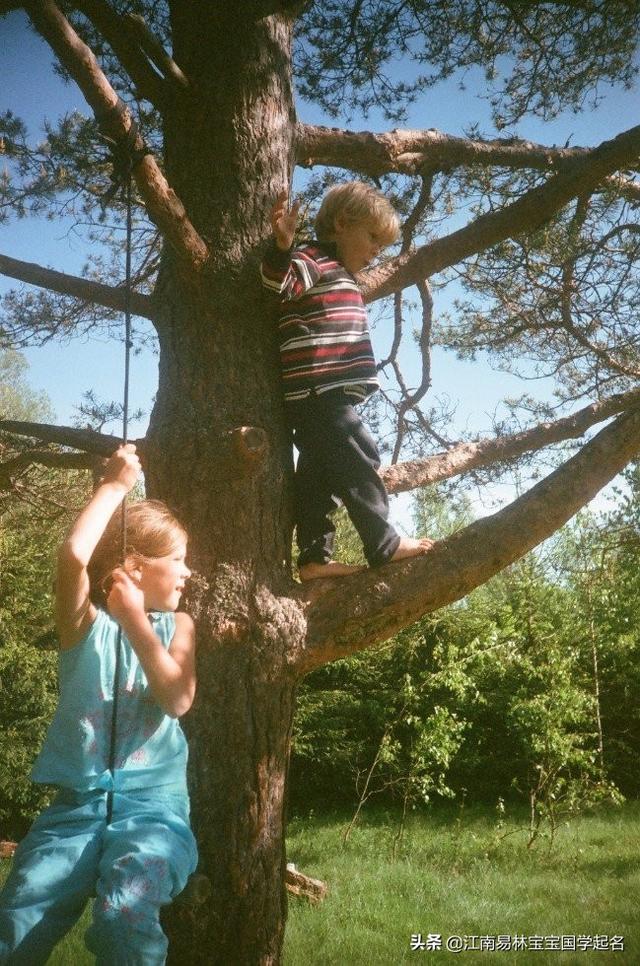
(121, 833)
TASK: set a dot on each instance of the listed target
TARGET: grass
(453, 874)
(457, 877)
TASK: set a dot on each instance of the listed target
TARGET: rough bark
(217, 451)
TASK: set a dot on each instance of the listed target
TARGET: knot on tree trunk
(250, 446)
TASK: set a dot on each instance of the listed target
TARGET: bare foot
(313, 571)
(410, 547)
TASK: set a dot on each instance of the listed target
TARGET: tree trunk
(218, 454)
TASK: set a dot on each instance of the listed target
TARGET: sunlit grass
(462, 877)
(453, 874)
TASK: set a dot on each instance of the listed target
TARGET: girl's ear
(133, 566)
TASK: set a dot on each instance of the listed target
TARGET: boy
(327, 367)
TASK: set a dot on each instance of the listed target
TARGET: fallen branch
(303, 885)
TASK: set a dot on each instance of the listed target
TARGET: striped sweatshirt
(322, 322)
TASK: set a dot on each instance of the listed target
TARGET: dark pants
(338, 457)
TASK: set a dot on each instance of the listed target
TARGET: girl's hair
(152, 531)
(357, 202)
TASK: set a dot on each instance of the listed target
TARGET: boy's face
(357, 243)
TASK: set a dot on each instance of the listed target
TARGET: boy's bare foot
(410, 547)
(313, 571)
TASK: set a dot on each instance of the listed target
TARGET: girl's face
(162, 579)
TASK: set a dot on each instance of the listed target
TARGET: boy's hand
(123, 468)
(284, 221)
(125, 597)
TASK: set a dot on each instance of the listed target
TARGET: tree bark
(217, 452)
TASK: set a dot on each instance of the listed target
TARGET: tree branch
(163, 206)
(123, 40)
(82, 288)
(156, 52)
(526, 214)
(413, 151)
(15, 466)
(463, 457)
(345, 616)
(99, 444)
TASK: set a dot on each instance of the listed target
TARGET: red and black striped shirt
(322, 322)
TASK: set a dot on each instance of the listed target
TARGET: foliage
(534, 60)
(497, 697)
(33, 519)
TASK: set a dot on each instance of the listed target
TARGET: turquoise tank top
(151, 749)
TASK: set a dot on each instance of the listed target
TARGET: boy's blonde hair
(357, 202)
(152, 531)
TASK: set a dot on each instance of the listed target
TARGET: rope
(125, 156)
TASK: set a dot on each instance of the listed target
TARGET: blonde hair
(152, 531)
(357, 202)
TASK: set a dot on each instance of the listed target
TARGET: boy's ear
(339, 222)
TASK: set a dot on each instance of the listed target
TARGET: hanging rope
(125, 155)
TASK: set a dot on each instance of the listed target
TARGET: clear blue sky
(64, 372)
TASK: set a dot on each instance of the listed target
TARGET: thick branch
(155, 51)
(81, 288)
(100, 444)
(463, 457)
(346, 616)
(526, 214)
(164, 207)
(409, 152)
(14, 467)
(413, 152)
(118, 33)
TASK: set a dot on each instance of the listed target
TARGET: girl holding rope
(119, 826)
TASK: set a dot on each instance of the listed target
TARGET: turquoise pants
(133, 866)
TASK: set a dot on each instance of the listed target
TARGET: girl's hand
(125, 598)
(284, 221)
(123, 468)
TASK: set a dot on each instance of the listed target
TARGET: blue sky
(64, 372)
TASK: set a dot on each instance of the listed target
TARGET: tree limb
(163, 206)
(100, 444)
(526, 214)
(418, 151)
(413, 151)
(13, 467)
(347, 615)
(120, 36)
(155, 51)
(463, 457)
(112, 297)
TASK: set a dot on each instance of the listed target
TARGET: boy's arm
(289, 274)
(170, 673)
(74, 611)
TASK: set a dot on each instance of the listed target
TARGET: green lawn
(455, 879)
(454, 876)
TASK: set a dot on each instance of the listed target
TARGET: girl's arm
(74, 611)
(170, 673)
